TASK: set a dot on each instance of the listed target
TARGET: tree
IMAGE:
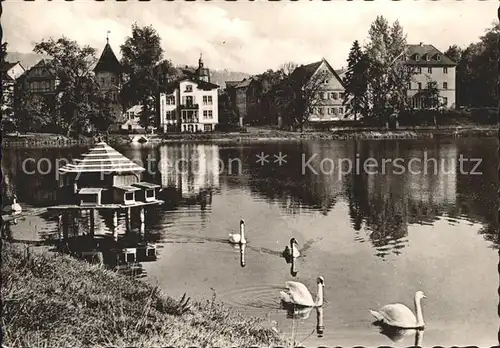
(430, 95)
(3, 53)
(387, 74)
(356, 81)
(31, 111)
(454, 53)
(287, 69)
(299, 95)
(141, 54)
(77, 96)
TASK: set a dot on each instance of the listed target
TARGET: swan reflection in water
(396, 334)
(242, 255)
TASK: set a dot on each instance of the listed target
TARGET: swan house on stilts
(104, 180)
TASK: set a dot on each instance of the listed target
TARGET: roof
(127, 188)
(102, 158)
(231, 84)
(6, 66)
(204, 85)
(90, 190)
(135, 109)
(303, 73)
(431, 51)
(108, 61)
(146, 185)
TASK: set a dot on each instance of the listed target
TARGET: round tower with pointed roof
(108, 71)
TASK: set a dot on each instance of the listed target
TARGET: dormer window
(189, 88)
(438, 57)
(427, 57)
(417, 57)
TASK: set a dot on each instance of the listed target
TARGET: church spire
(200, 61)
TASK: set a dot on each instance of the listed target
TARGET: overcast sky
(246, 36)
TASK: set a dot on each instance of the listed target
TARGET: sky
(245, 36)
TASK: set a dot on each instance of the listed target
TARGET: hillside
(217, 76)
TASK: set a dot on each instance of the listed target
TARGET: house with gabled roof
(430, 64)
(330, 98)
(41, 78)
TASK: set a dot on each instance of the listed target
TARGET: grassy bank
(53, 300)
(262, 134)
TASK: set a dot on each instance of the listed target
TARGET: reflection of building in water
(324, 172)
(435, 176)
(190, 168)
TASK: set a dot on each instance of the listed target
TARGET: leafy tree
(31, 111)
(388, 75)
(430, 95)
(3, 53)
(356, 80)
(454, 53)
(77, 96)
(300, 96)
(141, 54)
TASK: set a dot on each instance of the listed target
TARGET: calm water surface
(375, 238)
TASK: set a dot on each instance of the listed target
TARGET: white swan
(399, 315)
(291, 252)
(238, 238)
(299, 295)
(15, 208)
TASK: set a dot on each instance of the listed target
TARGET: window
(169, 115)
(189, 88)
(420, 85)
(342, 95)
(207, 100)
(417, 57)
(341, 110)
(207, 114)
(207, 127)
(438, 57)
(129, 196)
(335, 111)
(170, 100)
(321, 111)
(445, 85)
(326, 81)
(419, 70)
(409, 85)
(189, 100)
(445, 70)
(445, 101)
(335, 95)
(112, 80)
(427, 57)
(102, 80)
(429, 70)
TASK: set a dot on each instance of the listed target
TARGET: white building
(429, 64)
(190, 104)
(131, 118)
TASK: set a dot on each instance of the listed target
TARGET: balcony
(189, 106)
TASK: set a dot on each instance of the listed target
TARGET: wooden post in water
(141, 213)
(127, 221)
(115, 225)
(65, 225)
(92, 222)
(59, 227)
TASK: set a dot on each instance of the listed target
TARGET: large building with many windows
(190, 103)
(429, 64)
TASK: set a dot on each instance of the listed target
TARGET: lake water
(376, 238)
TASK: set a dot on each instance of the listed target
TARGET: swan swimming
(238, 238)
(299, 295)
(399, 315)
(15, 208)
(291, 252)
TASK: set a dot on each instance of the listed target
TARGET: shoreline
(56, 300)
(258, 135)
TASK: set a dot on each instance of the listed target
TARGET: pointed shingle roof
(102, 159)
(108, 61)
